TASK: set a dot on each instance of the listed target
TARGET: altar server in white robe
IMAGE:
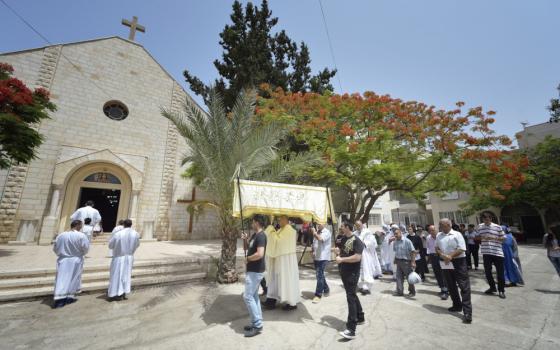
(70, 247)
(116, 229)
(88, 211)
(283, 278)
(370, 267)
(123, 243)
(87, 229)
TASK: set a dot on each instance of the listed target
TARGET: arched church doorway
(107, 185)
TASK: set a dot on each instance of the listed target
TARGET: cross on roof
(134, 26)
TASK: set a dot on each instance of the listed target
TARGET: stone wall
(13, 190)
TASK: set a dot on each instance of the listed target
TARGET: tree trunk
(367, 209)
(227, 272)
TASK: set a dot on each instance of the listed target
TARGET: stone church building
(107, 142)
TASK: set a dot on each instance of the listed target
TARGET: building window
(374, 219)
(105, 178)
(461, 217)
(447, 215)
(115, 110)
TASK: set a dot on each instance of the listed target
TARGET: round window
(115, 110)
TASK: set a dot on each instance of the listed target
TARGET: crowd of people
(403, 253)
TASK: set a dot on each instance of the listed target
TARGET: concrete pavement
(211, 316)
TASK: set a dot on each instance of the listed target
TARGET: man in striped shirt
(492, 236)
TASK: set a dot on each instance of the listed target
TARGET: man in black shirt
(254, 275)
(419, 247)
(348, 257)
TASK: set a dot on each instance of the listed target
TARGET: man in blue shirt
(405, 261)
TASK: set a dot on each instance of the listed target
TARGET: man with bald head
(451, 247)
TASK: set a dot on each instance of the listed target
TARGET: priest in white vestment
(123, 243)
(370, 267)
(70, 247)
(283, 275)
(88, 211)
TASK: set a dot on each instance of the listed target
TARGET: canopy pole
(241, 215)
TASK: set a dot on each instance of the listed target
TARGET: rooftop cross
(134, 26)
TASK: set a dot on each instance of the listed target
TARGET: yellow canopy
(269, 198)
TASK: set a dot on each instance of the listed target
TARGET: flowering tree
(20, 108)
(373, 144)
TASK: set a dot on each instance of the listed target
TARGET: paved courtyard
(211, 316)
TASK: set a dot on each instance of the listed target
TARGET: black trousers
(459, 277)
(421, 267)
(355, 312)
(434, 260)
(472, 255)
(497, 261)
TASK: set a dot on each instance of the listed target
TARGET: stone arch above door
(64, 170)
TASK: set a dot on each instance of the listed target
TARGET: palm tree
(223, 146)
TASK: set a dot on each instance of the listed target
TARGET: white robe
(88, 231)
(70, 247)
(370, 267)
(87, 212)
(283, 275)
(116, 229)
(123, 243)
(387, 252)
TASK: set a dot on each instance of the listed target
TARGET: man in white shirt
(88, 211)
(321, 257)
(70, 247)
(451, 247)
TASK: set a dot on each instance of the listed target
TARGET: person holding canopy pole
(283, 201)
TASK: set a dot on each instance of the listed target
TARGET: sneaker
(455, 309)
(490, 291)
(502, 295)
(444, 296)
(316, 300)
(348, 334)
(361, 321)
(467, 319)
(248, 328)
(252, 332)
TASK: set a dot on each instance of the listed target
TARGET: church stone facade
(107, 142)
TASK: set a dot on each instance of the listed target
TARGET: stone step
(31, 273)
(102, 275)
(27, 293)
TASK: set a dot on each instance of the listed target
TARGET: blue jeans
(322, 286)
(556, 263)
(251, 297)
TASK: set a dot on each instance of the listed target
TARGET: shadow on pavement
(546, 291)
(6, 252)
(230, 308)
(332, 322)
(441, 310)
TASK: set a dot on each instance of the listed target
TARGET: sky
(502, 55)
